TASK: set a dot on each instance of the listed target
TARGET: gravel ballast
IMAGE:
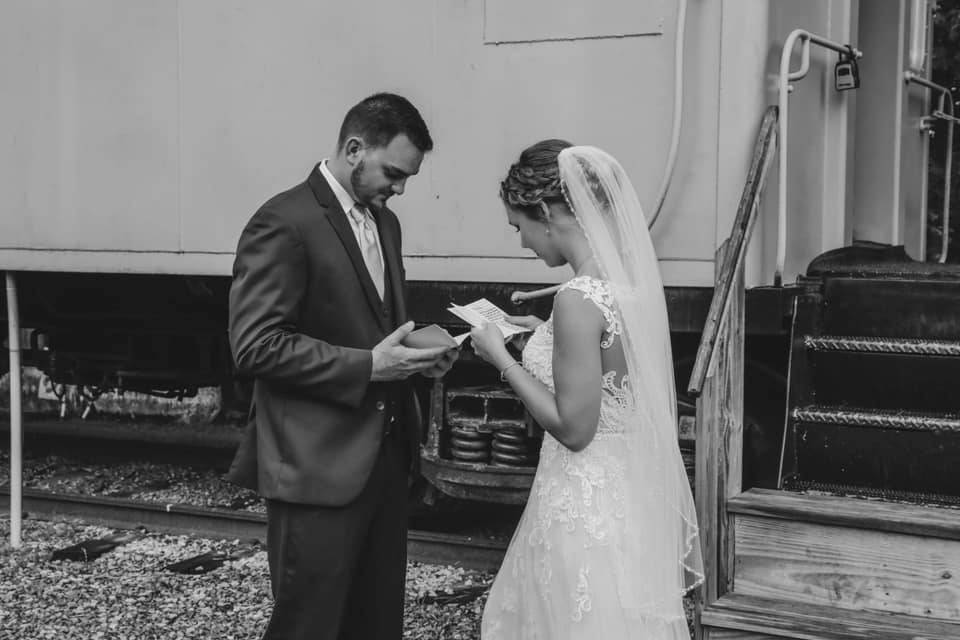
(127, 593)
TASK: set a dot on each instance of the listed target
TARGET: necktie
(369, 246)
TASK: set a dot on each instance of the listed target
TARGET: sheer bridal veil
(665, 544)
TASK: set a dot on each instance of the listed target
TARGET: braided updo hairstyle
(534, 179)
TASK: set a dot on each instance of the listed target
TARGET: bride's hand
(488, 344)
(519, 341)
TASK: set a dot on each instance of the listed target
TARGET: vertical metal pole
(16, 423)
(947, 99)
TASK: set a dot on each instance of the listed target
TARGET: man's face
(381, 172)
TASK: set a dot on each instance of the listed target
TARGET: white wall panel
(88, 119)
(162, 126)
(265, 87)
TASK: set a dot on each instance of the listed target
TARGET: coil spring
(469, 445)
(512, 448)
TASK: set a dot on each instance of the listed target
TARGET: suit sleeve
(269, 282)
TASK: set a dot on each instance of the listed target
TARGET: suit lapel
(338, 220)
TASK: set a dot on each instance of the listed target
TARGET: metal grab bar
(736, 248)
(946, 100)
(805, 38)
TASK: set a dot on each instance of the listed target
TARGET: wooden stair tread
(877, 515)
(788, 619)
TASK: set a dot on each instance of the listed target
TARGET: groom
(317, 316)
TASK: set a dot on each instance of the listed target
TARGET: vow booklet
(433, 336)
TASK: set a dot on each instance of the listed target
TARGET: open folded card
(433, 336)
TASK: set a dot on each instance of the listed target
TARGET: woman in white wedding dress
(607, 545)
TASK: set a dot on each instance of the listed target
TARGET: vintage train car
(139, 137)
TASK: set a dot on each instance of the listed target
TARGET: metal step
(872, 493)
(901, 421)
(883, 381)
(864, 344)
(923, 309)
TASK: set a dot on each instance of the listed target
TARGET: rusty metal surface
(481, 444)
(877, 419)
(478, 481)
(938, 499)
(862, 344)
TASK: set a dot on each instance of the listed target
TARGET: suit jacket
(304, 315)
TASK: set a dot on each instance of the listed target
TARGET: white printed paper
(481, 311)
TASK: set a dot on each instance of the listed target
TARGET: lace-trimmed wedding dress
(580, 563)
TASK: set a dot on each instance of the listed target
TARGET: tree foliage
(945, 70)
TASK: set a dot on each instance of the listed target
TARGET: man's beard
(357, 185)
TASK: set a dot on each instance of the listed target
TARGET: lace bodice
(538, 353)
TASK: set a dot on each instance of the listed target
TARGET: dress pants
(338, 573)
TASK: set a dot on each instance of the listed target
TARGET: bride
(607, 545)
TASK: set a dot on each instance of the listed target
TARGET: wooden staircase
(862, 540)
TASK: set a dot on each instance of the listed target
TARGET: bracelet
(503, 373)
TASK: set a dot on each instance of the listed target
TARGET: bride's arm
(570, 416)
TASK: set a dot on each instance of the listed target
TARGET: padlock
(846, 75)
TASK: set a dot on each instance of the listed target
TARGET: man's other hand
(393, 361)
(443, 365)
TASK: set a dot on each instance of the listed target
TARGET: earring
(547, 230)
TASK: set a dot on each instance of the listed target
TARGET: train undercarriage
(165, 336)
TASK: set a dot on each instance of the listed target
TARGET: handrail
(946, 100)
(784, 89)
(736, 248)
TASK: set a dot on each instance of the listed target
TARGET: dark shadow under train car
(166, 335)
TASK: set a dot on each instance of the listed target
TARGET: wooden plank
(729, 634)
(930, 521)
(729, 480)
(705, 481)
(720, 442)
(781, 618)
(707, 463)
(848, 569)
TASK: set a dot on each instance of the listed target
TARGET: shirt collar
(346, 201)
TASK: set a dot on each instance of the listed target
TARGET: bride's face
(535, 235)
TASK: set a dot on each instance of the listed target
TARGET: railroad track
(422, 546)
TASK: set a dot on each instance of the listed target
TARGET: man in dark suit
(317, 316)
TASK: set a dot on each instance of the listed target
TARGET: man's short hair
(380, 118)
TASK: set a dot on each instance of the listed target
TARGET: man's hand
(393, 361)
(443, 365)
